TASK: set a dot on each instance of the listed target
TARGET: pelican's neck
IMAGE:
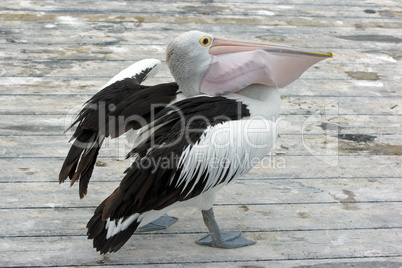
(261, 101)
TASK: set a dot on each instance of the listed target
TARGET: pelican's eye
(205, 41)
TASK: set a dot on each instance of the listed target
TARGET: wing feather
(122, 105)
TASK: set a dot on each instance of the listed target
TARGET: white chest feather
(226, 151)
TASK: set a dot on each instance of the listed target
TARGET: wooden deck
(329, 195)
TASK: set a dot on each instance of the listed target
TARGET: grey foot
(160, 223)
(219, 239)
(230, 239)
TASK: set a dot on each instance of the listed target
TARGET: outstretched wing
(183, 157)
(122, 105)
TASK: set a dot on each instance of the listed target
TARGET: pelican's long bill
(237, 64)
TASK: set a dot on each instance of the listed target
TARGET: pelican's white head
(188, 59)
(203, 64)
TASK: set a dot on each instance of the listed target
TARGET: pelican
(193, 136)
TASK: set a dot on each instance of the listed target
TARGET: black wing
(117, 108)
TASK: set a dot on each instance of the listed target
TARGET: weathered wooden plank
(226, 15)
(295, 3)
(89, 84)
(128, 45)
(270, 246)
(188, 14)
(104, 66)
(295, 144)
(313, 85)
(329, 125)
(154, 33)
(292, 167)
(218, 8)
(316, 124)
(349, 192)
(62, 221)
(72, 60)
(61, 104)
(354, 79)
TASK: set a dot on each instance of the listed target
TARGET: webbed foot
(229, 239)
(160, 223)
(219, 239)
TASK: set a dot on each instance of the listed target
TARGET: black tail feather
(80, 161)
(98, 232)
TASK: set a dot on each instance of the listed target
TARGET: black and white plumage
(123, 104)
(208, 129)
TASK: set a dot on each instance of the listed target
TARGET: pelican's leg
(219, 239)
(160, 223)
